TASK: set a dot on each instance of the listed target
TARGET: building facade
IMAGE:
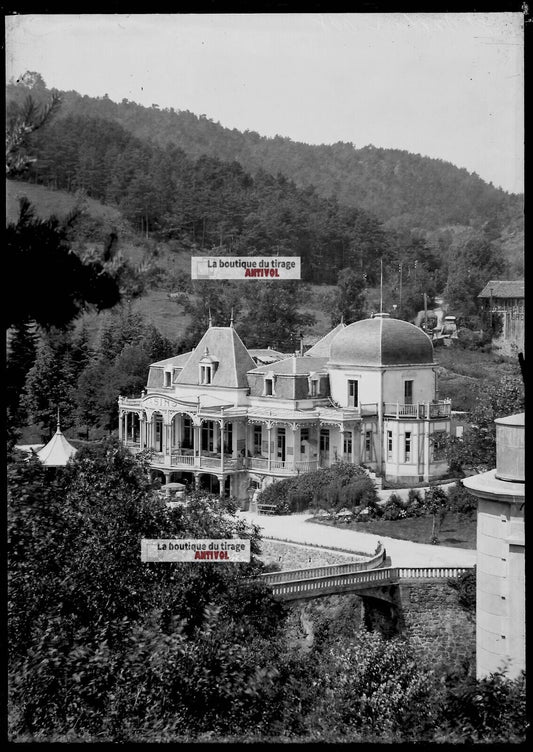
(366, 393)
(505, 300)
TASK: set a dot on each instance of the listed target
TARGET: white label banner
(198, 549)
(245, 267)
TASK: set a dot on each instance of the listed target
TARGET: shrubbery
(331, 488)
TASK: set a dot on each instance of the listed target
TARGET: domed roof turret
(381, 341)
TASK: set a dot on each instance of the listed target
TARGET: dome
(381, 341)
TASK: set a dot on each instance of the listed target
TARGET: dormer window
(314, 385)
(207, 368)
(206, 374)
(268, 390)
(167, 376)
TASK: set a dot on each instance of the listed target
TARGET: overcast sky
(442, 85)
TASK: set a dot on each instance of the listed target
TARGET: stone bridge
(367, 578)
(414, 602)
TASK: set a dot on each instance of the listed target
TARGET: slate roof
(321, 348)
(381, 341)
(267, 355)
(503, 289)
(224, 344)
(297, 365)
(57, 452)
(177, 360)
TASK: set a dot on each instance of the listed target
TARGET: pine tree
(20, 359)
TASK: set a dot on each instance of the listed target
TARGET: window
(313, 387)
(347, 443)
(168, 378)
(408, 446)
(368, 445)
(187, 442)
(258, 435)
(281, 444)
(228, 438)
(205, 374)
(408, 392)
(208, 433)
(304, 436)
(353, 393)
(324, 440)
(389, 445)
(269, 386)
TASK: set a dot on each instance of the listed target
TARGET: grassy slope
(49, 202)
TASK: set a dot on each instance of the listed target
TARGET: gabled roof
(57, 452)
(321, 349)
(297, 365)
(234, 360)
(503, 289)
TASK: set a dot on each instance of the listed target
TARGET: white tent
(57, 452)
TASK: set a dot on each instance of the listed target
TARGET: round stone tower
(500, 582)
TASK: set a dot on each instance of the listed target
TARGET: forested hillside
(196, 187)
(403, 190)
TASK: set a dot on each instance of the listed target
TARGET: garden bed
(456, 530)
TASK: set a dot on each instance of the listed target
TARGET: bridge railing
(431, 573)
(355, 580)
(329, 570)
(359, 580)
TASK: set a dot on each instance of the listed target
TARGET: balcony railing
(440, 409)
(288, 467)
(204, 461)
(348, 413)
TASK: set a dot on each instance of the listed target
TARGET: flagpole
(381, 288)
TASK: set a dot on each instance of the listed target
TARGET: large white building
(366, 393)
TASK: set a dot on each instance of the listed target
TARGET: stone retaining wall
(427, 613)
(430, 616)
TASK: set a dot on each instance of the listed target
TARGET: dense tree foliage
(55, 284)
(476, 449)
(104, 647)
(205, 187)
(205, 203)
(406, 190)
(347, 302)
(104, 643)
(50, 384)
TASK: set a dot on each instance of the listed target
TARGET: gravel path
(402, 553)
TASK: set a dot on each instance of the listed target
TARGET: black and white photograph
(265, 377)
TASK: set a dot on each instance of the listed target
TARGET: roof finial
(210, 320)
(231, 320)
(342, 319)
(58, 426)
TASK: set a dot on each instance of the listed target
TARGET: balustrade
(356, 580)
(417, 410)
